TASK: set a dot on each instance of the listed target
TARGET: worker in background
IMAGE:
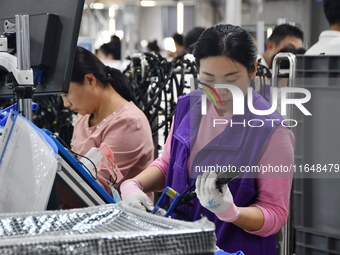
(283, 36)
(329, 40)
(247, 212)
(109, 51)
(191, 38)
(107, 114)
(153, 47)
(179, 45)
(116, 40)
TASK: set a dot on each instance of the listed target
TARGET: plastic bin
(318, 64)
(317, 136)
(313, 242)
(316, 201)
(316, 205)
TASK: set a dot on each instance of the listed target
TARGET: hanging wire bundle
(52, 115)
(157, 83)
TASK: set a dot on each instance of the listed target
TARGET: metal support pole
(286, 248)
(24, 91)
(233, 12)
(260, 36)
(292, 68)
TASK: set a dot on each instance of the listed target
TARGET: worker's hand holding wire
(220, 203)
(132, 194)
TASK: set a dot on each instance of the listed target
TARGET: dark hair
(85, 63)
(284, 64)
(153, 46)
(191, 38)
(117, 46)
(115, 39)
(332, 11)
(227, 40)
(282, 31)
(178, 38)
(111, 48)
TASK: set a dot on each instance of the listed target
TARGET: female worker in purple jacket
(250, 210)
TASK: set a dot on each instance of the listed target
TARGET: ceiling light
(97, 6)
(147, 3)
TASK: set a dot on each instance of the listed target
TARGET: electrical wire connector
(174, 195)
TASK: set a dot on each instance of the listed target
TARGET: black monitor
(54, 29)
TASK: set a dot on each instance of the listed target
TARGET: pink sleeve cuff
(162, 162)
(161, 166)
(229, 215)
(270, 226)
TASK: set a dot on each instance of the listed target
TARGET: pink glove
(132, 193)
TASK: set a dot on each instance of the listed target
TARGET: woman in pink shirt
(107, 114)
(250, 210)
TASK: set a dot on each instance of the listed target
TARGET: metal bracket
(9, 27)
(3, 44)
(9, 62)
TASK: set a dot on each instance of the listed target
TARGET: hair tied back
(108, 71)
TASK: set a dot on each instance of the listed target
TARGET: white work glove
(132, 194)
(221, 204)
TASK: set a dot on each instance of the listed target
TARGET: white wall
(150, 24)
(204, 14)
